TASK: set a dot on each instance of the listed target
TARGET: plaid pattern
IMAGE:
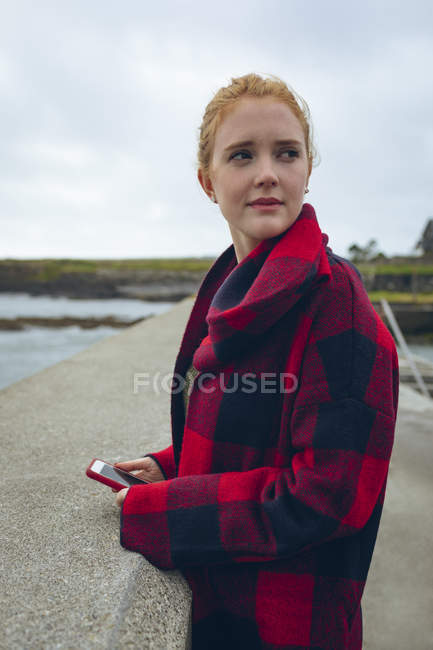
(273, 498)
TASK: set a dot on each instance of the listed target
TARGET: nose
(266, 174)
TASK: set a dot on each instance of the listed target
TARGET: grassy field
(395, 296)
(396, 269)
(50, 269)
(57, 266)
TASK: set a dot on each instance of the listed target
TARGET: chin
(271, 230)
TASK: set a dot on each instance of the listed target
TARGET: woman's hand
(145, 468)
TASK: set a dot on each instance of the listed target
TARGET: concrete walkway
(398, 599)
(65, 582)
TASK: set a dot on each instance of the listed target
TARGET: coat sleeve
(165, 460)
(329, 490)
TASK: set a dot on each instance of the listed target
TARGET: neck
(243, 245)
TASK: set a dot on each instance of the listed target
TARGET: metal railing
(402, 343)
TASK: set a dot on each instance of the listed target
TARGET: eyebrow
(248, 143)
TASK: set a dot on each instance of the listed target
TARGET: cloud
(101, 106)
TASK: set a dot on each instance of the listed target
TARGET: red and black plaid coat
(275, 482)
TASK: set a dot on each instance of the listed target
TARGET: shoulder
(354, 349)
(344, 292)
(342, 270)
(344, 300)
(346, 286)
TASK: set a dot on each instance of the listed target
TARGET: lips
(266, 201)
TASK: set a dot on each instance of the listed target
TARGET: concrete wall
(65, 581)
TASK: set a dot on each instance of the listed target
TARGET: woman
(270, 496)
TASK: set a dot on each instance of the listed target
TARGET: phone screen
(116, 474)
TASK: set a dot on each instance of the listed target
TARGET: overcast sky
(100, 104)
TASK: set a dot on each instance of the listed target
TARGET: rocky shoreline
(100, 281)
(150, 292)
(23, 322)
(160, 281)
(415, 322)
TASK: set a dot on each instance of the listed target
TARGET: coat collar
(251, 296)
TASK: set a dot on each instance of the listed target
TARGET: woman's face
(259, 153)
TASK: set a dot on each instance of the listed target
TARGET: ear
(205, 182)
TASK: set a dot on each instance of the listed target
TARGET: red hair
(251, 85)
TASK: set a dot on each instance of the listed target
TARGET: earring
(306, 190)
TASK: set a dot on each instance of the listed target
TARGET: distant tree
(367, 253)
(426, 241)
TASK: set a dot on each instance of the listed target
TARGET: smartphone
(112, 476)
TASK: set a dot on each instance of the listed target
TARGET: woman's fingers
(145, 468)
(138, 472)
(120, 496)
(129, 465)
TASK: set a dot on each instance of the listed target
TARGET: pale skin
(274, 163)
(145, 468)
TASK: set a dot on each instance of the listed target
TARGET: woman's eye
(239, 153)
(243, 155)
(292, 153)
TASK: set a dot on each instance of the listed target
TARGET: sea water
(25, 352)
(13, 305)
